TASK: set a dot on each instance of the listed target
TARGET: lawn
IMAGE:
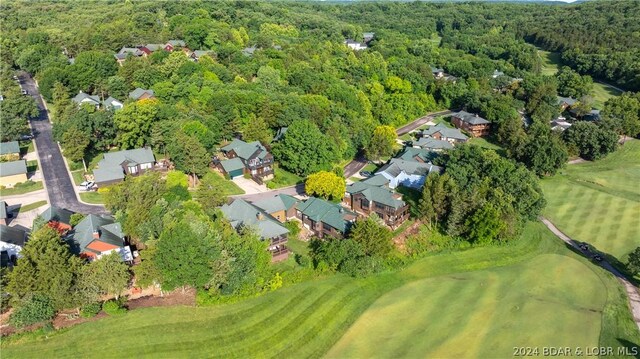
(229, 188)
(22, 188)
(32, 166)
(451, 304)
(602, 92)
(599, 202)
(550, 62)
(30, 206)
(283, 178)
(93, 197)
(482, 142)
(78, 177)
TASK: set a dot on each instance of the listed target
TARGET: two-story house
(125, 52)
(115, 165)
(325, 219)
(96, 236)
(241, 213)
(410, 174)
(473, 124)
(281, 207)
(444, 133)
(141, 94)
(94, 100)
(246, 158)
(367, 198)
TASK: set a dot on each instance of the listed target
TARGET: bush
(90, 310)
(303, 260)
(36, 309)
(113, 307)
(293, 227)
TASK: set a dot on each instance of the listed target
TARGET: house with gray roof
(249, 51)
(125, 52)
(58, 217)
(83, 98)
(437, 72)
(257, 161)
(496, 74)
(115, 165)
(432, 144)
(325, 218)
(96, 236)
(355, 45)
(242, 214)
(281, 207)
(367, 198)
(197, 54)
(472, 123)
(141, 94)
(112, 104)
(367, 37)
(445, 133)
(13, 172)
(407, 173)
(566, 102)
(12, 240)
(9, 151)
(417, 155)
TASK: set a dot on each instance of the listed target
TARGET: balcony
(278, 240)
(255, 165)
(279, 254)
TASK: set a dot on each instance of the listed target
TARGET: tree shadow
(632, 349)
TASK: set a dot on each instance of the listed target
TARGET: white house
(12, 240)
(406, 173)
(354, 45)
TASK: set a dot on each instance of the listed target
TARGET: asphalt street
(56, 177)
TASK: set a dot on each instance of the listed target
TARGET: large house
(96, 236)
(417, 155)
(324, 218)
(57, 218)
(94, 100)
(355, 45)
(125, 52)
(410, 174)
(12, 173)
(566, 102)
(241, 214)
(115, 165)
(367, 198)
(473, 124)
(281, 207)
(141, 94)
(442, 132)
(12, 240)
(246, 158)
(432, 144)
(9, 151)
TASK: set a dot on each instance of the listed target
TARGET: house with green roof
(59, 218)
(281, 207)
(432, 144)
(9, 151)
(242, 214)
(324, 218)
(444, 133)
(417, 155)
(256, 160)
(96, 236)
(115, 165)
(366, 198)
(12, 173)
(141, 94)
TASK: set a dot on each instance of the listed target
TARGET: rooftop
(378, 194)
(470, 118)
(244, 214)
(8, 148)
(12, 235)
(432, 143)
(109, 231)
(396, 166)
(326, 212)
(110, 167)
(246, 150)
(13, 168)
(280, 202)
(56, 214)
(138, 92)
(445, 131)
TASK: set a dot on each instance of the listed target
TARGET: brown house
(325, 219)
(473, 124)
(243, 158)
(366, 199)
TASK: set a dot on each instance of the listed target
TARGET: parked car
(366, 174)
(26, 137)
(88, 185)
(584, 247)
(597, 258)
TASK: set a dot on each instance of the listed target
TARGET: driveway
(632, 291)
(420, 121)
(297, 190)
(57, 179)
(250, 186)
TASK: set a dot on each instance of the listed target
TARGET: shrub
(36, 309)
(303, 260)
(113, 307)
(90, 310)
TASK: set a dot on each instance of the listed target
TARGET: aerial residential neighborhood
(320, 179)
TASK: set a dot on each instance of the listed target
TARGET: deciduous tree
(325, 184)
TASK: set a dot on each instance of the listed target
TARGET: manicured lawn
(22, 188)
(283, 178)
(601, 93)
(297, 246)
(482, 142)
(32, 166)
(91, 197)
(550, 62)
(78, 177)
(229, 188)
(478, 302)
(370, 167)
(599, 202)
(31, 206)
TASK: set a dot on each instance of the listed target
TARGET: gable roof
(138, 92)
(125, 51)
(110, 169)
(428, 142)
(200, 53)
(445, 131)
(242, 213)
(376, 180)
(470, 118)
(326, 212)
(12, 235)
(246, 150)
(396, 166)
(280, 202)
(8, 148)
(56, 214)
(176, 43)
(248, 51)
(376, 194)
(233, 164)
(109, 232)
(112, 102)
(13, 168)
(280, 133)
(154, 47)
(436, 70)
(410, 154)
(568, 100)
(86, 98)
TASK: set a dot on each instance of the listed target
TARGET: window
(133, 169)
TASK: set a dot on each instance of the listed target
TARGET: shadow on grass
(632, 350)
(412, 197)
(615, 262)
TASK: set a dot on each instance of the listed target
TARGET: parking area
(249, 186)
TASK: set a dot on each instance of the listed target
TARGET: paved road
(632, 291)
(420, 121)
(56, 177)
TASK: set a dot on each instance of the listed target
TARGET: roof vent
(341, 210)
(259, 216)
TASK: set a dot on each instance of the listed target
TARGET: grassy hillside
(497, 290)
(599, 202)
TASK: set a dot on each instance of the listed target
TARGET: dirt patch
(69, 318)
(401, 238)
(177, 297)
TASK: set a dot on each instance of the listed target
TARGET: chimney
(259, 216)
(96, 234)
(341, 210)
